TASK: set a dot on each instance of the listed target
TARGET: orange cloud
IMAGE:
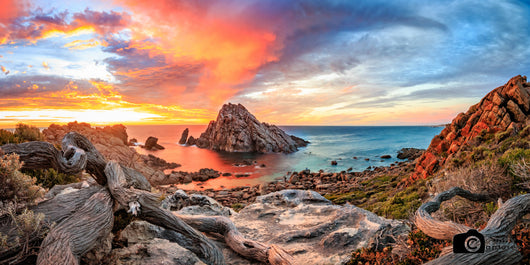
(45, 65)
(40, 25)
(230, 48)
(82, 44)
(99, 104)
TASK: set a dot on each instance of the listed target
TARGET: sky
(290, 62)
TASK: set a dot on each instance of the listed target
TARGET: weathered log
(500, 248)
(84, 216)
(42, 155)
(78, 154)
(79, 232)
(247, 248)
(150, 211)
(440, 229)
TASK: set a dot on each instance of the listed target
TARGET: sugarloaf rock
(237, 130)
(505, 108)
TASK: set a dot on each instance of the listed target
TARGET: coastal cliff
(237, 130)
(504, 109)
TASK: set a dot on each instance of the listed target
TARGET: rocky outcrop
(184, 136)
(307, 225)
(111, 142)
(505, 108)
(152, 144)
(191, 141)
(410, 153)
(180, 177)
(237, 130)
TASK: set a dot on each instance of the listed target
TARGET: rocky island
(237, 130)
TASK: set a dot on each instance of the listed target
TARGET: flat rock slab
(311, 228)
(304, 223)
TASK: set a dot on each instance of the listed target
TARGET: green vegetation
(22, 133)
(14, 185)
(387, 196)
(48, 178)
(237, 206)
(18, 189)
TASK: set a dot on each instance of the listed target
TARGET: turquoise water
(340, 143)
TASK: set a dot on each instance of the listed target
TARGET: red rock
(504, 107)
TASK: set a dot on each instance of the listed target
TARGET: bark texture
(500, 248)
(83, 217)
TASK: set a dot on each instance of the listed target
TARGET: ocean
(339, 143)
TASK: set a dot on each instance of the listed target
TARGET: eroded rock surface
(237, 130)
(304, 223)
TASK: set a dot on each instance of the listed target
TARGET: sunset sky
(299, 62)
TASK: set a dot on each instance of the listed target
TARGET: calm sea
(340, 143)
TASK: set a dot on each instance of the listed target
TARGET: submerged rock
(237, 130)
(152, 144)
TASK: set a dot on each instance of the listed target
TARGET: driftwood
(500, 248)
(83, 217)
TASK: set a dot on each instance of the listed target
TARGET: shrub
(27, 133)
(422, 249)
(7, 137)
(48, 178)
(14, 185)
(23, 133)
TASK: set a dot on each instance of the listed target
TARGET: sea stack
(184, 136)
(237, 130)
(504, 109)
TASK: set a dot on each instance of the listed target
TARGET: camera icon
(470, 242)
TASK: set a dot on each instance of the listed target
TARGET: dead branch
(84, 216)
(78, 233)
(500, 248)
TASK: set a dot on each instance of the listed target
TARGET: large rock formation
(152, 144)
(505, 108)
(237, 130)
(306, 225)
(111, 142)
(184, 136)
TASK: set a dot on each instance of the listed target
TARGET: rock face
(152, 144)
(306, 224)
(503, 108)
(237, 130)
(184, 136)
(112, 142)
(156, 252)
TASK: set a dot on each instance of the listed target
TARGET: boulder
(132, 142)
(152, 144)
(237, 130)
(409, 153)
(311, 228)
(184, 136)
(386, 156)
